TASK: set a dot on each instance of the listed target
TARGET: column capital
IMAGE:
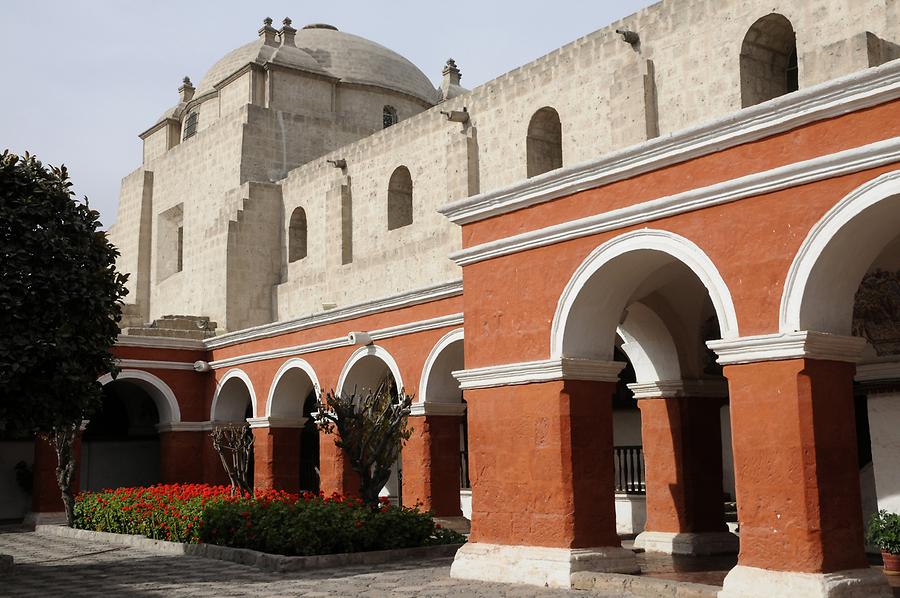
(671, 389)
(546, 370)
(276, 422)
(419, 409)
(803, 344)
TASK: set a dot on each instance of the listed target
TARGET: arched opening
(294, 397)
(297, 235)
(543, 146)
(400, 199)
(389, 117)
(367, 369)
(768, 61)
(234, 403)
(648, 298)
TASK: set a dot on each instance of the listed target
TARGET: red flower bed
(273, 521)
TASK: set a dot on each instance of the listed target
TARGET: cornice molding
(530, 372)
(276, 422)
(841, 163)
(804, 344)
(160, 342)
(879, 371)
(151, 364)
(184, 427)
(670, 389)
(436, 408)
(433, 293)
(344, 341)
(839, 96)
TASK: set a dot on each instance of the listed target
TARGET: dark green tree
(371, 427)
(59, 307)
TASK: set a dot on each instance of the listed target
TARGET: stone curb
(261, 560)
(6, 565)
(641, 585)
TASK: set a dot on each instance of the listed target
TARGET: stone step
(617, 584)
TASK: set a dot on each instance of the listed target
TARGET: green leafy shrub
(884, 531)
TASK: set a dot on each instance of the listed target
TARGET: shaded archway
(298, 233)
(234, 403)
(289, 407)
(768, 60)
(543, 145)
(400, 199)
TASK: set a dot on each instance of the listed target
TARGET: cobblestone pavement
(50, 566)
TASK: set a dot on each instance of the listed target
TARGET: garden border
(261, 560)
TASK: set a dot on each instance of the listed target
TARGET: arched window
(190, 125)
(543, 145)
(389, 116)
(400, 198)
(297, 233)
(768, 60)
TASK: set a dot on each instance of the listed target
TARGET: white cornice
(564, 368)
(160, 342)
(333, 343)
(150, 364)
(276, 422)
(841, 163)
(433, 293)
(184, 427)
(667, 389)
(437, 408)
(788, 345)
(839, 96)
(879, 371)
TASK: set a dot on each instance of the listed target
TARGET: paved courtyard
(47, 566)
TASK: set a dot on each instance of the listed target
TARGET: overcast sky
(81, 78)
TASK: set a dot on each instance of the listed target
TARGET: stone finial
(186, 91)
(268, 33)
(450, 86)
(287, 32)
(452, 71)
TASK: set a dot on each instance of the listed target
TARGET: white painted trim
(788, 345)
(833, 165)
(234, 373)
(848, 208)
(185, 427)
(334, 343)
(878, 371)
(291, 364)
(151, 364)
(667, 389)
(531, 372)
(839, 96)
(276, 422)
(377, 351)
(677, 246)
(433, 293)
(160, 342)
(448, 339)
(750, 582)
(164, 397)
(538, 565)
(420, 408)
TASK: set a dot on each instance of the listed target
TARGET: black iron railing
(629, 468)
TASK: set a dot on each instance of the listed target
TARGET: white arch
(159, 391)
(649, 345)
(454, 336)
(233, 373)
(639, 244)
(371, 350)
(287, 366)
(802, 304)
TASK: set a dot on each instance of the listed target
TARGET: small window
(400, 197)
(389, 116)
(297, 233)
(543, 146)
(190, 125)
(179, 266)
(768, 62)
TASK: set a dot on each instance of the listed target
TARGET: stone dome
(323, 49)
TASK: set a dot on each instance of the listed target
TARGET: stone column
(541, 447)
(276, 453)
(796, 470)
(682, 442)
(431, 459)
(46, 497)
(335, 473)
(179, 445)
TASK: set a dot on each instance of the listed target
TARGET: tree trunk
(63, 441)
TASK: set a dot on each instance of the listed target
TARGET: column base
(537, 565)
(699, 544)
(751, 582)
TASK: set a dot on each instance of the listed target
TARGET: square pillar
(543, 504)
(796, 470)
(431, 458)
(335, 473)
(179, 445)
(682, 444)
(276, 453)
(46, 496)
